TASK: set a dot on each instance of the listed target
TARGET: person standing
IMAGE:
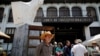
(59, 51)
(45, 48)
(96, 46)
(54, 48)
(67, 48)
(78, 49)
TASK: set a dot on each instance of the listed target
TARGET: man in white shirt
(79, 49)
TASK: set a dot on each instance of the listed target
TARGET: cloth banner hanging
(25, 12)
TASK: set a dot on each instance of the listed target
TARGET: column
(84, 11)
(5, 18)
(57, 12)
(70, 9)
(98, 14)
(87, 32)
(20, 47)
(4, 23)
(45, 11)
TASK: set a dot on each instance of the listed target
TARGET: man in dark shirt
(67, 48)
(45, 48)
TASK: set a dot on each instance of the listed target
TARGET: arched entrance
(67, 31)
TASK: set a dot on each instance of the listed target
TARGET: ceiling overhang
(53, 1)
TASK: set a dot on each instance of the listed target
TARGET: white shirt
(97, 48)
(79, 50)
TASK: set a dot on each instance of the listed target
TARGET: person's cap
(94, 42)
(78, 41)
(46, 33)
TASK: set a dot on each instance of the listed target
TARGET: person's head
(94, 43)
(47, 36)
(68, 43)
(55, 43)
(78, 41)
(60, 44)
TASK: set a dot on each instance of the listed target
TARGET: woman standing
(59, 51)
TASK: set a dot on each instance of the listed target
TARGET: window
(91, 12)
(1, 14)
(63, 11)
(51, 12)
(76, 11)
(10, 32)
(10, 19)
(94, 30)
(39, 13)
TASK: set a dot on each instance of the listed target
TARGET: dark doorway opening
(63, 36)
(67, 31)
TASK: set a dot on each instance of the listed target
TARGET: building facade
(71, 20)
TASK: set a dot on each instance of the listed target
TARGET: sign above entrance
(65, 19)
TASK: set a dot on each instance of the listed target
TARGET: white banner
(25, 12)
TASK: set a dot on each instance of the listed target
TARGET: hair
(67, 41)
(78, 41)
(60, 44)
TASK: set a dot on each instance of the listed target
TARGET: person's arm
(97, 49)
(64, 50)
(72, 51)
(38, 50)
(85, 51)
(86, 54)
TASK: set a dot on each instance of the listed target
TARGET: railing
(65, 19)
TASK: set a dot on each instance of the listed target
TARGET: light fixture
(70, 28)
(57, 28)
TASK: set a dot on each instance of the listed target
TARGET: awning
(94, 38)
(4, 35)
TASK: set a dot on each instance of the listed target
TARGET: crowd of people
(45, 48)
(71, 50)
(58, 49)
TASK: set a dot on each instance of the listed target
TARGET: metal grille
(10, 30)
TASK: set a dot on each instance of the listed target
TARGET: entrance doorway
(67, 31)
(63, 36)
